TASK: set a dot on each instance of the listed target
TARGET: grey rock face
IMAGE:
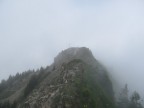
(69, 83)
(67, 55)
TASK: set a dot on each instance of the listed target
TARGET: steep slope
(75, 80)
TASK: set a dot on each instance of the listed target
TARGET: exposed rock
(67, 55)
(77, 80)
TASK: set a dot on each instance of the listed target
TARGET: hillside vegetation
(75, 80)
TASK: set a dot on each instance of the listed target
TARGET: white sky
(33, 32)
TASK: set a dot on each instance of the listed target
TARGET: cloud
(33, 32)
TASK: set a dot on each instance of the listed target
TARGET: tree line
(126, 101)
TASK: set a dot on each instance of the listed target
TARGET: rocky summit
(75, 80)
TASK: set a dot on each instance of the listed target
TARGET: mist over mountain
(33, 32)
(75, 80)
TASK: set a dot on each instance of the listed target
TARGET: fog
(33, 32)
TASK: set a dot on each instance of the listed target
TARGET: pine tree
(135, 101)
(123, 98)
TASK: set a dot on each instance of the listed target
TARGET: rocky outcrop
(67, 55)
(75, 80)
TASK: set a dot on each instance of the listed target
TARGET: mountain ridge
(75, 80)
